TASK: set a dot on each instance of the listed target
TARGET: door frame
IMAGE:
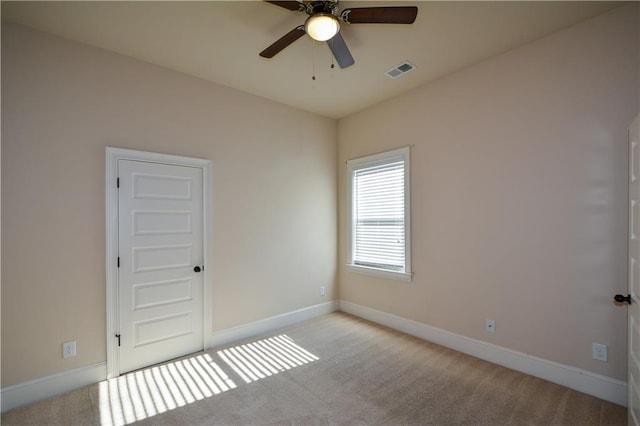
(632, 332)
(111, 221)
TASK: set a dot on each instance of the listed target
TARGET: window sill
(400, 276)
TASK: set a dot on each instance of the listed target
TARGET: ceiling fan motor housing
(327, 7)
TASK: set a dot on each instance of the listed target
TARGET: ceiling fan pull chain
(331, 54)
(313, 54)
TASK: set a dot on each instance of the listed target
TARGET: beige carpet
(336, 369)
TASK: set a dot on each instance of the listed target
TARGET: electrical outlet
(68, 349)
(321, 290)
(491, 326)
(600, 352)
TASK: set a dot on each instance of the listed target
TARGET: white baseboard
(594, 384)
(228, 335)
(581, 380)
(46, 387)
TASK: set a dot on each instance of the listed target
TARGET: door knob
(197, 269)
(622, 299)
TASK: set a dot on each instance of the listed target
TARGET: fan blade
(340, 51)
(380, 15)
(283, 42)
(291, 5)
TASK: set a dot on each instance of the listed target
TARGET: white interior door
(160, 251)
(633, 381)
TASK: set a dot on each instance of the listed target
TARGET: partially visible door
(633, 313)
(160, 249)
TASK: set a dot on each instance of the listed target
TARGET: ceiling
(220, 41)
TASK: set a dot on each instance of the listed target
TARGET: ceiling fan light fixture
(322, 26)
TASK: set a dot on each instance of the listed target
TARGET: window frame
(353, 165)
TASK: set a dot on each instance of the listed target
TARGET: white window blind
(379, 216)
(379, 212)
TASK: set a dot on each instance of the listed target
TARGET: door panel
(161, 293)
(147, 259)
(634, 275)
(162, 328)
(161, 223)
(159, 244)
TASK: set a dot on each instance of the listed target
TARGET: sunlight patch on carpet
(145, 393)
(263, 358)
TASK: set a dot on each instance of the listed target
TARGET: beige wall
(274, 193)
(519, 171)
(519, 194)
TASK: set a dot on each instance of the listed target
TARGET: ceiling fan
(323, 24)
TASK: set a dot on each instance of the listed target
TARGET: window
(379, 214)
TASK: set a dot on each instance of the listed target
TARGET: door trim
(111, 222)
